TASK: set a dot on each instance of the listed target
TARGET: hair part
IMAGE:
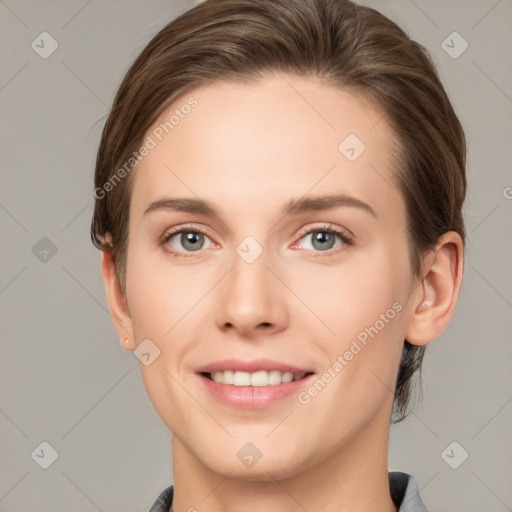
(352, 47)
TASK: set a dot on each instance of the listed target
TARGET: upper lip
(250, 366)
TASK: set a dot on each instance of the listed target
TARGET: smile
(256, 379)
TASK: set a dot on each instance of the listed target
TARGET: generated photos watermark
(357, 345)
(150, 142)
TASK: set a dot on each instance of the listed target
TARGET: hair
(352, 47)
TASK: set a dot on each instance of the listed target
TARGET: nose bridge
(250, 273)
(250, 294)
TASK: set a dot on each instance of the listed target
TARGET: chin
(275, 466)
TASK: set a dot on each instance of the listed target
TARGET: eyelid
(183, 227)
(344, 232)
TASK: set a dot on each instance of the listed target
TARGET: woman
(278, 192)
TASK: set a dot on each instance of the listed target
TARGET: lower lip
(252, 397)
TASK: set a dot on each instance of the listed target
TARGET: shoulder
(403, 487)
(164, 501)
(405, 493)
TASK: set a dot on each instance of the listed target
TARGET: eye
(324, 239)
(186, 240)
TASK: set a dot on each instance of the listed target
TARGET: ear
(117, 302)
(434, 299)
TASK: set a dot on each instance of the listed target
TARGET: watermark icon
(351, 147)
(454, 45)
(44, 455)
(249, 249)
(146, 352)
(44, 250)
(249, 455)
(361, 341)
(454, 455)
(44, 45)
(507, 192)
(150, 142)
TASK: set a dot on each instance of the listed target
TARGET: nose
(251, 299)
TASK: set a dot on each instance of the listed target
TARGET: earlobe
(435, 297)
(118, 306)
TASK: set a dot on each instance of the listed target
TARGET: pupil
(326, 240)
(189, 240)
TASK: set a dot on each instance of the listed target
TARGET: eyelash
(345, 239)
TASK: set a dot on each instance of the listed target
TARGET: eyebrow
(292, 207)
(311, 204)
(183, 205)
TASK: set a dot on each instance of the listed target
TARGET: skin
(248, 150)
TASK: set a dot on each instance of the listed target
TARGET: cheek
(158, 297)
(352, 296)
(364, 306)
(161, 303)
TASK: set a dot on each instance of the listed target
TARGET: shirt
(403, 487)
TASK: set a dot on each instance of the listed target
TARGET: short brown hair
(353, 47)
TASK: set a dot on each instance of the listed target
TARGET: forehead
(250, 147)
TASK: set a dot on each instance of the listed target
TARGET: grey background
(65, 380)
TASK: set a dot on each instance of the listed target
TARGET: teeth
(260, 378)
(241, 379)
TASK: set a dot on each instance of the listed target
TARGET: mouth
(252, 384)
(255, 379)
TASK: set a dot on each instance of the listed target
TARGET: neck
(351, 479)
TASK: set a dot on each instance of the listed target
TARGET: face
(285, 259)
